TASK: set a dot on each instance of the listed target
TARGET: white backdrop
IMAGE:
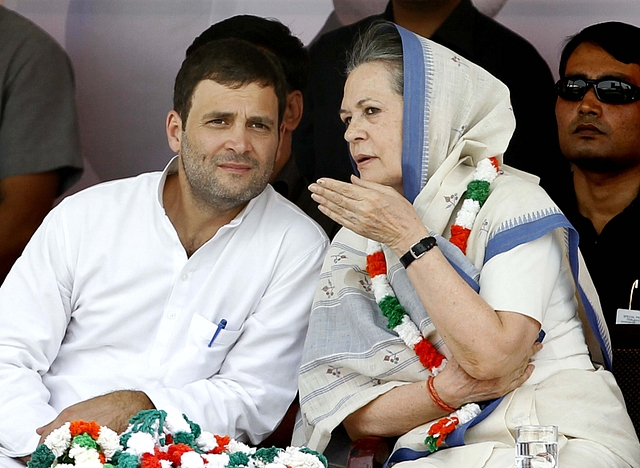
(126, 54)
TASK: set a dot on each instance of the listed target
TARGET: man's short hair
(270, 34)
(230, 62)
(620, 40)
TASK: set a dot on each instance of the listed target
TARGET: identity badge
(629, 316)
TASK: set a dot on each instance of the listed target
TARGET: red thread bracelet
(436, 399)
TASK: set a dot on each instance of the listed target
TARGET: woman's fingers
(369, 209)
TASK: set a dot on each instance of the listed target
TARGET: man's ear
(293, 111)
(284, 142)
(174, 130)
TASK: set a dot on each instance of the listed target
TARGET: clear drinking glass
(537, 447)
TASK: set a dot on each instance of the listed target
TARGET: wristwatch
(418, 250)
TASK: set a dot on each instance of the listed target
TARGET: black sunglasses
(608, 90)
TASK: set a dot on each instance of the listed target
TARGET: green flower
(43, 457)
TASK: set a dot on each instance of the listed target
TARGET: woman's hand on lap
(456, 387)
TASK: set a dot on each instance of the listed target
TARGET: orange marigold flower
(222, 444)
(148, 460)
(376, 264)
(459, 236)
(428, 355)
(444, 426)
(176, 451)
(80, 427)
(160, 455)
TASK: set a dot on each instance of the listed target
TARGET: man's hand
(112, 410)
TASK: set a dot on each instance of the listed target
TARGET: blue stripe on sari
(596, 325)
(414, 108)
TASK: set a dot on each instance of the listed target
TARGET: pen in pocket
(221, 325)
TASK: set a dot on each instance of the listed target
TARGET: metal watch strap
(418, 250)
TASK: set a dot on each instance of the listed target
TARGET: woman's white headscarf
(455, 114)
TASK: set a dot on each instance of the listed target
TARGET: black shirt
(613, 260)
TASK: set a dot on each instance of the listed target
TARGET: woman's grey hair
(381, 42)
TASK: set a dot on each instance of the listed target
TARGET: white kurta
(105, 298)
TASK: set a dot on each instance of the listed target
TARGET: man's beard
(205, 184)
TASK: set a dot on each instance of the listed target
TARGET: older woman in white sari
(443, 245)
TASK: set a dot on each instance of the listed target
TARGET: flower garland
(78, 443)
(167, 439)
(400, 322)
(477, 192)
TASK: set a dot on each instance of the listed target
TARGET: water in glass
(536, 454)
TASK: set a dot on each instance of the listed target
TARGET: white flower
(255, 463)
(220, 460)
(381, 287)
(175, 422)
(467, 412)
(235, 446)
(408, 332)
(191, 460)
(373, 246)
(59, 439)
(108, 441)
(206, 442)
(294, 458)
(467, 214)
(83, 454)
(486, 171)
(139, 443)
(164, 463)
(65, 465)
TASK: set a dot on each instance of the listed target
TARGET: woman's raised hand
(372, 210)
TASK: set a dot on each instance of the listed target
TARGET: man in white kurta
(123, 290)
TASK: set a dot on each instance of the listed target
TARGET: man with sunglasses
(598, 115)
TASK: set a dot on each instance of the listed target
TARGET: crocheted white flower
(88, 458)
(191, 460)
(467, 412)
(59, 439)
(220, 460)
(175, 422)
(235, 446)
(206, 442)
(467, 214)
(108, 441)
(139, 443)
(408, 332)
(294, 458)
(486, 171)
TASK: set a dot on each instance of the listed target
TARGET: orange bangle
(436, 399)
